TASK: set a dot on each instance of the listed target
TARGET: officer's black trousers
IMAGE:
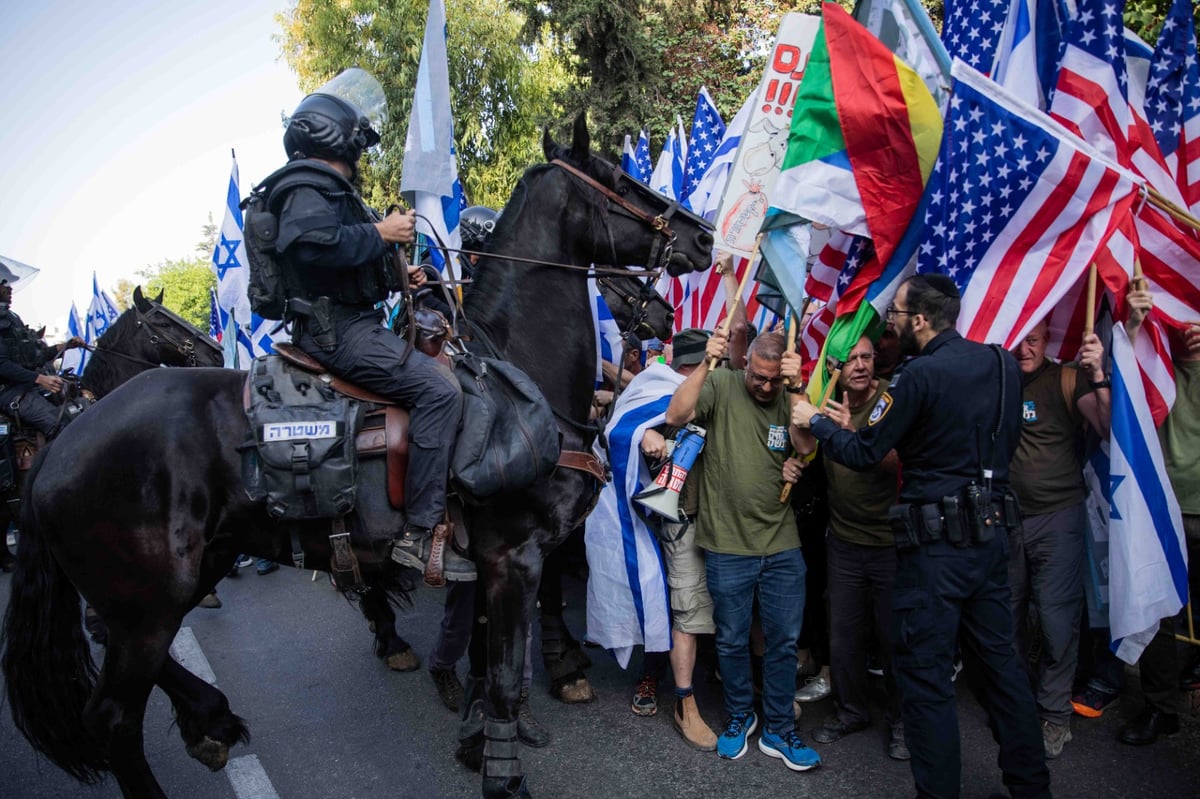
(368, 355)
(946, 595)
(33, 409)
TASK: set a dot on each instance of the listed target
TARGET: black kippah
(942, 285)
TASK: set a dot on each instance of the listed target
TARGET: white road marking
(249, 779)
(186, 649)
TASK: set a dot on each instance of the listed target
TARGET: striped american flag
(1017, 210)
(1173, 101)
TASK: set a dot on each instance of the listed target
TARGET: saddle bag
(509, 437)
(301, 460)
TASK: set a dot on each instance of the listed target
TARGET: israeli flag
(246, 334)
(75, 359)
(607, 331)
(668, 173)
(1147, 559)
(102, 312)
(429, 180)
(627, 598)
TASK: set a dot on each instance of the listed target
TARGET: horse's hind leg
(116, 711)
(206, 724)
(394, 650)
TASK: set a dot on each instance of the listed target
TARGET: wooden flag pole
(793, 322)
(712, 363)
(1139, 280)
(1159, 201)
(1089, 324)
(833, 380)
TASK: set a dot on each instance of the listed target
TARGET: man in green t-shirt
(1046, 553)
(862, 562)
(750, 538)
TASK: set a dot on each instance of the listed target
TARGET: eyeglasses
(892, 311)
(763, 380)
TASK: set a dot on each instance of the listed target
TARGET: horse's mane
(103, 371)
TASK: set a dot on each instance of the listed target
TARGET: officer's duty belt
(969, 519)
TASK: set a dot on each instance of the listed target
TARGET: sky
(116, 134)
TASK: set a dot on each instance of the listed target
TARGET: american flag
(971, 30)
(708, 130)
(1017, 210)
(215, 331)
(697, 296)
(1173, 101)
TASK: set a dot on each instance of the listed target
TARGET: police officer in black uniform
(22, 355)
(336, 253)
(954, 417)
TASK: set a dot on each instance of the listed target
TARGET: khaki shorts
(691, 606)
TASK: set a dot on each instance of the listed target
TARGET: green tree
(501, 92)
(185, 284)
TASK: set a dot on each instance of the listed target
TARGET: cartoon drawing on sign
(741, 224)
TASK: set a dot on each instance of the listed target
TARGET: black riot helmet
(476, 224)
(337, 121)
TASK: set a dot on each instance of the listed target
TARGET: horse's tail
(48, 668)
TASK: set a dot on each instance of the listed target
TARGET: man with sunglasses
(953, 415)
(752, 547)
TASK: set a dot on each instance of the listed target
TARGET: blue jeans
(734, 581)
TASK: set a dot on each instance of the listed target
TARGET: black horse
(145, 336)
(638, 309)
(140, 504)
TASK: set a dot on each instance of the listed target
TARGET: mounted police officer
(953, 415)
(336, 254)
(22, 355)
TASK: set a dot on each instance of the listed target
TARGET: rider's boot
(434, 553)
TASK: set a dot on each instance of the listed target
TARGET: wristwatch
(1105, 383)
(813, 419)
(793, 389)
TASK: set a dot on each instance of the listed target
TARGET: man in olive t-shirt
(1046, 553)
(750, 538)
(862, 562)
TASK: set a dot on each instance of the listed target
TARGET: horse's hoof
(210, 752)
(404, 661)
(470, 754)
(574, 689)
(506, 788)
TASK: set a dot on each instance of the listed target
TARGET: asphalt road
(329, 720)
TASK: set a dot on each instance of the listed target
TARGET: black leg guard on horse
(502, 775)
(470, 728)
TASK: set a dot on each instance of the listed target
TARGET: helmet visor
(357, 87)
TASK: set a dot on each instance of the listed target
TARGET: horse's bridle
(184, 346)
(660, 250)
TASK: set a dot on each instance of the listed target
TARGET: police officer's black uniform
(22, 353)
(337, 263)
(940, 414)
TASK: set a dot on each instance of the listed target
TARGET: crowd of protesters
(936, 522)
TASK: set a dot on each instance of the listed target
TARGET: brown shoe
(691, 726)
(210, 600)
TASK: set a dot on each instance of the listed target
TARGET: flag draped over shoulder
(1147, 559)
(1017, 209)
(864, 136)
(429, 177)
(627, 599)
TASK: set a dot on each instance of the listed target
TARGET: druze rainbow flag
(864, 136)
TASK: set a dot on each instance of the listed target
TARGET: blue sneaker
(790, 749)
(733, 744)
